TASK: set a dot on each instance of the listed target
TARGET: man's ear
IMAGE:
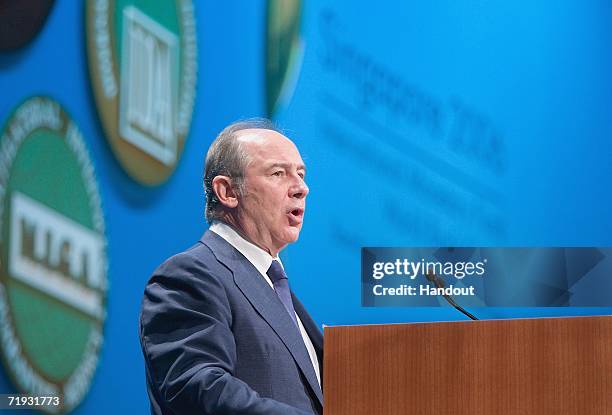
(222, 186)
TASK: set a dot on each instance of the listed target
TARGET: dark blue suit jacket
(217, 340)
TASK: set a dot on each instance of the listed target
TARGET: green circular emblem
(143, 65)
(53, 265)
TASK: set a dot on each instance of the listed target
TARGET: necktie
(281, 286)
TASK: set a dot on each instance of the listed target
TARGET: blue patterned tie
(281, 286)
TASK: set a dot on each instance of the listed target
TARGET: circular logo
(53, 265)
(143, 66)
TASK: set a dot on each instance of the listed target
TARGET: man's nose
(299, 190)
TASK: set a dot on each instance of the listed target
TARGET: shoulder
(183, 286)
(194, 267)
(197, 257)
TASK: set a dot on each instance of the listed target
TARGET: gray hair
(227, 157)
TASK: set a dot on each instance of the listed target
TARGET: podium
(525, 366)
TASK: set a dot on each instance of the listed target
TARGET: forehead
(268, 147)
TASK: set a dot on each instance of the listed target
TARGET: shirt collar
(260, 259)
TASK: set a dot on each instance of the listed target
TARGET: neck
(243, 231)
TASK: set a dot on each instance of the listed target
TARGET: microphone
(438, 282)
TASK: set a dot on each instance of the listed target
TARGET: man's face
(271, 210)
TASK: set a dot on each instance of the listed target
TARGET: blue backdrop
(422, 124)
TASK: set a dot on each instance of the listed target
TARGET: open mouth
(296, 216)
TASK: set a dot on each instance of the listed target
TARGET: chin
(292, 235)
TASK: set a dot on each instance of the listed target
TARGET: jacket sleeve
(188, 345)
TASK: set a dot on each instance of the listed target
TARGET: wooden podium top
(525, 366)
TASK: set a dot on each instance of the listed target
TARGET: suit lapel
(266, 302)
(316, 337)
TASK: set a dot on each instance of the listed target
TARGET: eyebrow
(286, 165)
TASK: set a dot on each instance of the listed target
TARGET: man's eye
(277, 173)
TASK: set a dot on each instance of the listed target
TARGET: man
(220, 331)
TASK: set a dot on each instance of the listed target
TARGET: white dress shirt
(262, 260)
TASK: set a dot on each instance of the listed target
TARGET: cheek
(259, 205)
(273, 206)
(267, 205)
